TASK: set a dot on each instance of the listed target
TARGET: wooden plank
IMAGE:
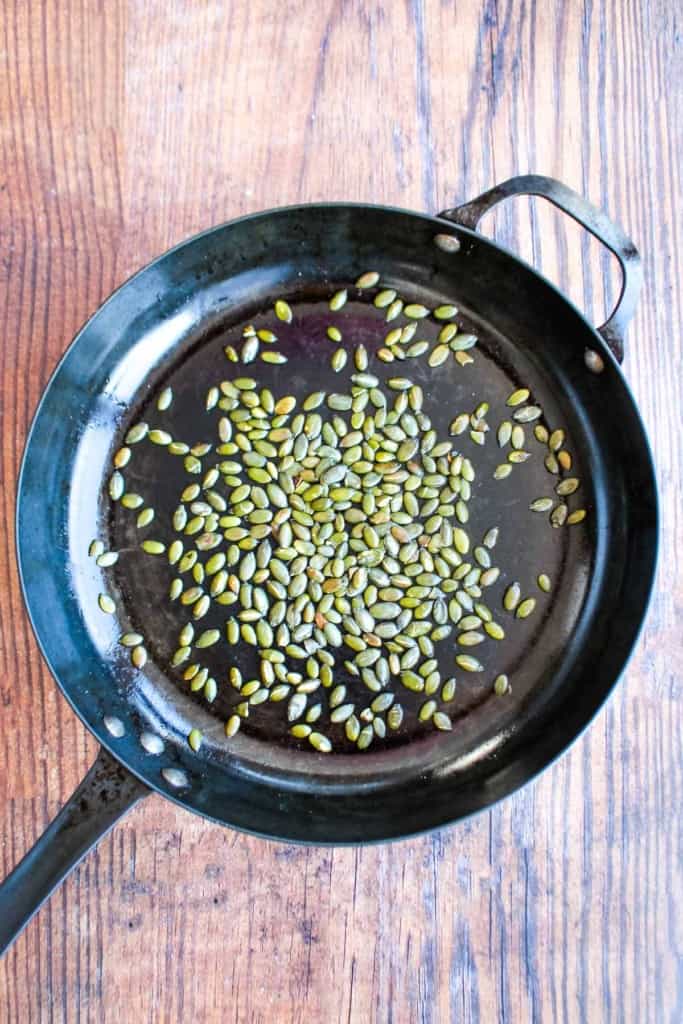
(125, 127)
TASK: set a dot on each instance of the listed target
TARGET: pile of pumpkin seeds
(332, 534)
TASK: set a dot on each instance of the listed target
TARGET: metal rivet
(152, 743)
(114, 726)
(447, 243)
(593, 361)
(175, 777)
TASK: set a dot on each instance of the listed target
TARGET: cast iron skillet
(163, 325)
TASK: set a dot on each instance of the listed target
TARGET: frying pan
(164, 326)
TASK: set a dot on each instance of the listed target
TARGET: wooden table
(126, 127)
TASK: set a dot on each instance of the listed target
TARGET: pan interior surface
(168, 328)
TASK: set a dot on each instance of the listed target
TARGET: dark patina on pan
(151, 332)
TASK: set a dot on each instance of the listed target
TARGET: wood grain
(126, 126)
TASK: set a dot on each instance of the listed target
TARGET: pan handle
(589, 217)
(104, 795)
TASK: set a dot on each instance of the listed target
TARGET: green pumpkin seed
(517, 397)
(501, 685)
(338, 361)
(153, 547)
(468, 663)
(283, 311)
(526, 608)
(558, 516)
(511, 597)
(415, 311)
(367, 280)
(576, 517)
(439, 355)
(137, 433)
(338, 300)
(107, 605)
(567, 486)
(384, 298)
(544, 583)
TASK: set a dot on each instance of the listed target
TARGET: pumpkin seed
(567, 486)
(558, 516)
(107, 605)
(283, 311)
(526, 608)
(576, 517)
(438, 356)
(511, 597)
(415, 311)
(367, 280)
(517, 397)
(501, 685)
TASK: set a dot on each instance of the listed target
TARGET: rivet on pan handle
(591, 218)
(106, 792)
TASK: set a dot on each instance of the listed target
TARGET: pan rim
(182, 799)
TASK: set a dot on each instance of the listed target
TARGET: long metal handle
(591, 218)
(104, 795)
